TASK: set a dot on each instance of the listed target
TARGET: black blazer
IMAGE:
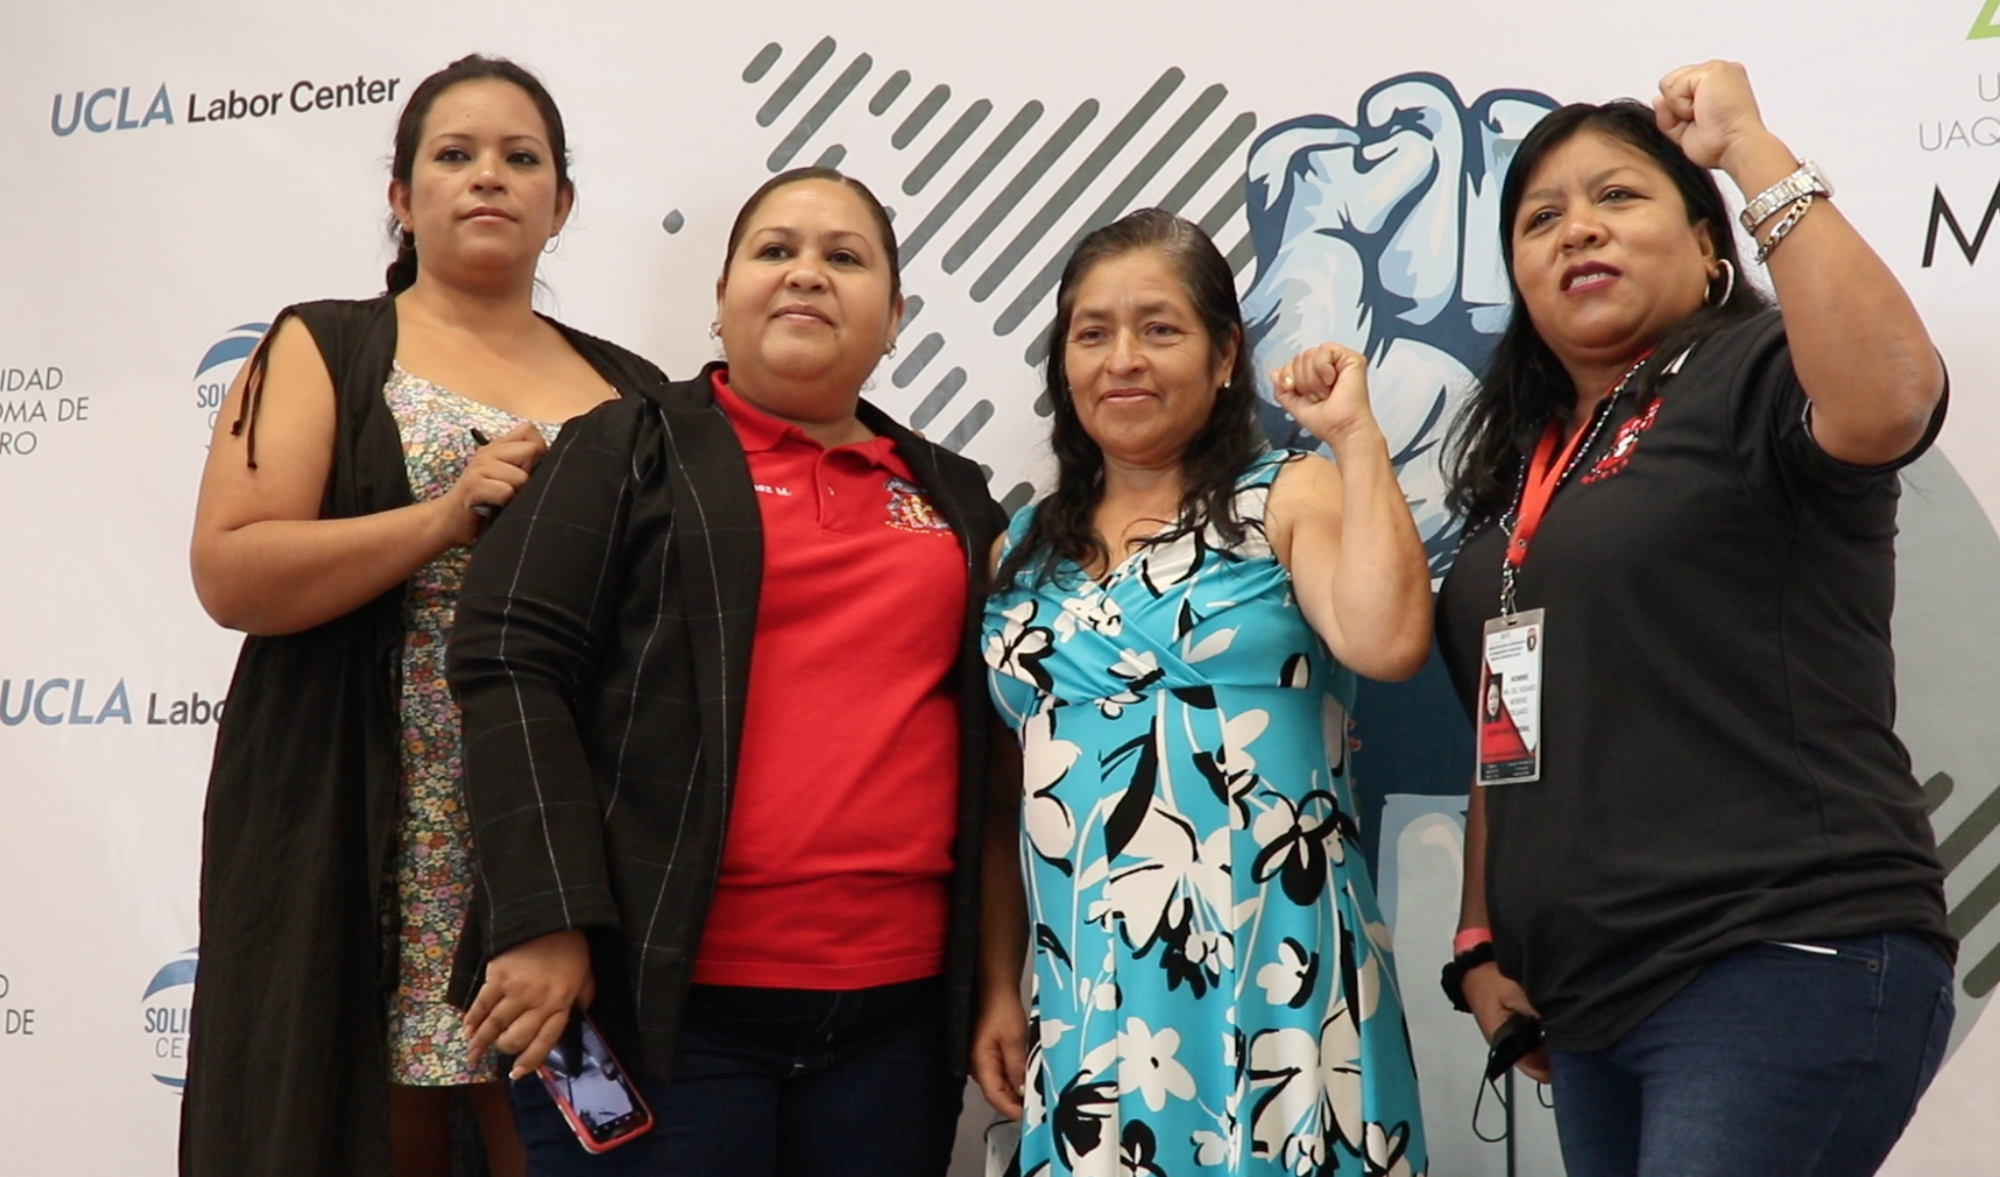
(602, 656)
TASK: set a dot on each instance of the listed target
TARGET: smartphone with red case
(597, 1097)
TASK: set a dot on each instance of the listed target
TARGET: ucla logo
(115, 108)
(110, 109)
(219, 365)
(51, 702)
(164, 1012)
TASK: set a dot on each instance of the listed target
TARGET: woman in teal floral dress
(1175, 633)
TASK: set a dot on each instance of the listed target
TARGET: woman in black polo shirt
(1701, 857)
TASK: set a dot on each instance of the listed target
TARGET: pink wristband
(1469, 939)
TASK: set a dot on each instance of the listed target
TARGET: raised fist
(1382, 235)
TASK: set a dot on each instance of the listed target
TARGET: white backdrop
(148, 234)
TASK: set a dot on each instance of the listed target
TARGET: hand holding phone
(597, 1097)
(1516, 1038)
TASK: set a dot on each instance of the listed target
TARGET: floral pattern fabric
(1213, 990)
(433, 861)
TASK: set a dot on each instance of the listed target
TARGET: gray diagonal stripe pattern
(920, 117)
(1971, 832)
(1092, 166)
(968, 428)
(939, 397)
(828, 102)
(947, 146)
(890, 91)
(913, 364)
(1241, 254)
(1219, 153)
(801, 75)
(1031, 241)
(1010, 135)
(1937, 791)
(1017, 498)
(1228, 206)
(1112, 207)
(987, 221)
(761, 64)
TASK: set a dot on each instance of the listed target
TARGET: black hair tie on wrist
(1452, 978)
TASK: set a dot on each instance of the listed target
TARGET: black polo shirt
(1720, 764)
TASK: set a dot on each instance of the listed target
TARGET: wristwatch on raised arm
(1807, 179)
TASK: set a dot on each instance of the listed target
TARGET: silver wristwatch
(1807, 179)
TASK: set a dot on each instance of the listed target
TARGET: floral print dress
(1213, 990)
(433, 831)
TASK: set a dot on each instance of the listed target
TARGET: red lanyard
(1545, 474)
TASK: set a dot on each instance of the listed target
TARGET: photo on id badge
(1510, 699)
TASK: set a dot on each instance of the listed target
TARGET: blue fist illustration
(1382, 234)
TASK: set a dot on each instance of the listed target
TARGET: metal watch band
(1808, 179)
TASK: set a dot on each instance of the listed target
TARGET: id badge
(1510, 699)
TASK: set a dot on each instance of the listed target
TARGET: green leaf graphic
(1985, 26)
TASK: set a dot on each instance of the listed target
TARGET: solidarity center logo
(218, 367)
(164, 1011)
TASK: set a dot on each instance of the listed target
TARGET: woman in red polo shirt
(725, 739)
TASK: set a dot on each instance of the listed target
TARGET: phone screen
(581, 1072)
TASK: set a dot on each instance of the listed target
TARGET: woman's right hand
(529, 991)
(1000, 1053)
(263, 560)
(496, 472)
(1325, 389)
(1495, 997)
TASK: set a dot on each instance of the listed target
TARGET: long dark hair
(1524, 386)
(831, 176)
(1215, 457)
(410, 131)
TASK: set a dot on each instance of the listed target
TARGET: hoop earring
(1728, 283)
(552, 244)
(889, 353)
(715, 329)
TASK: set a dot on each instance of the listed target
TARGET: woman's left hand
(1708, 109)
(1000, 1052)
(1325, 389)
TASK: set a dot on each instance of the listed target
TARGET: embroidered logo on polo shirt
(909, 510)
(1623, 445)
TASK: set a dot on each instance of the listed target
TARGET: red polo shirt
(837, 860)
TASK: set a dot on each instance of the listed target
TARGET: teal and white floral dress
(1213, 990)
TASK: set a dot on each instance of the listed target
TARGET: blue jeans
(781, 1083)
(1776, 1061)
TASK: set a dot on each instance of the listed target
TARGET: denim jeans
(781, 1083)
(1775, 1060)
